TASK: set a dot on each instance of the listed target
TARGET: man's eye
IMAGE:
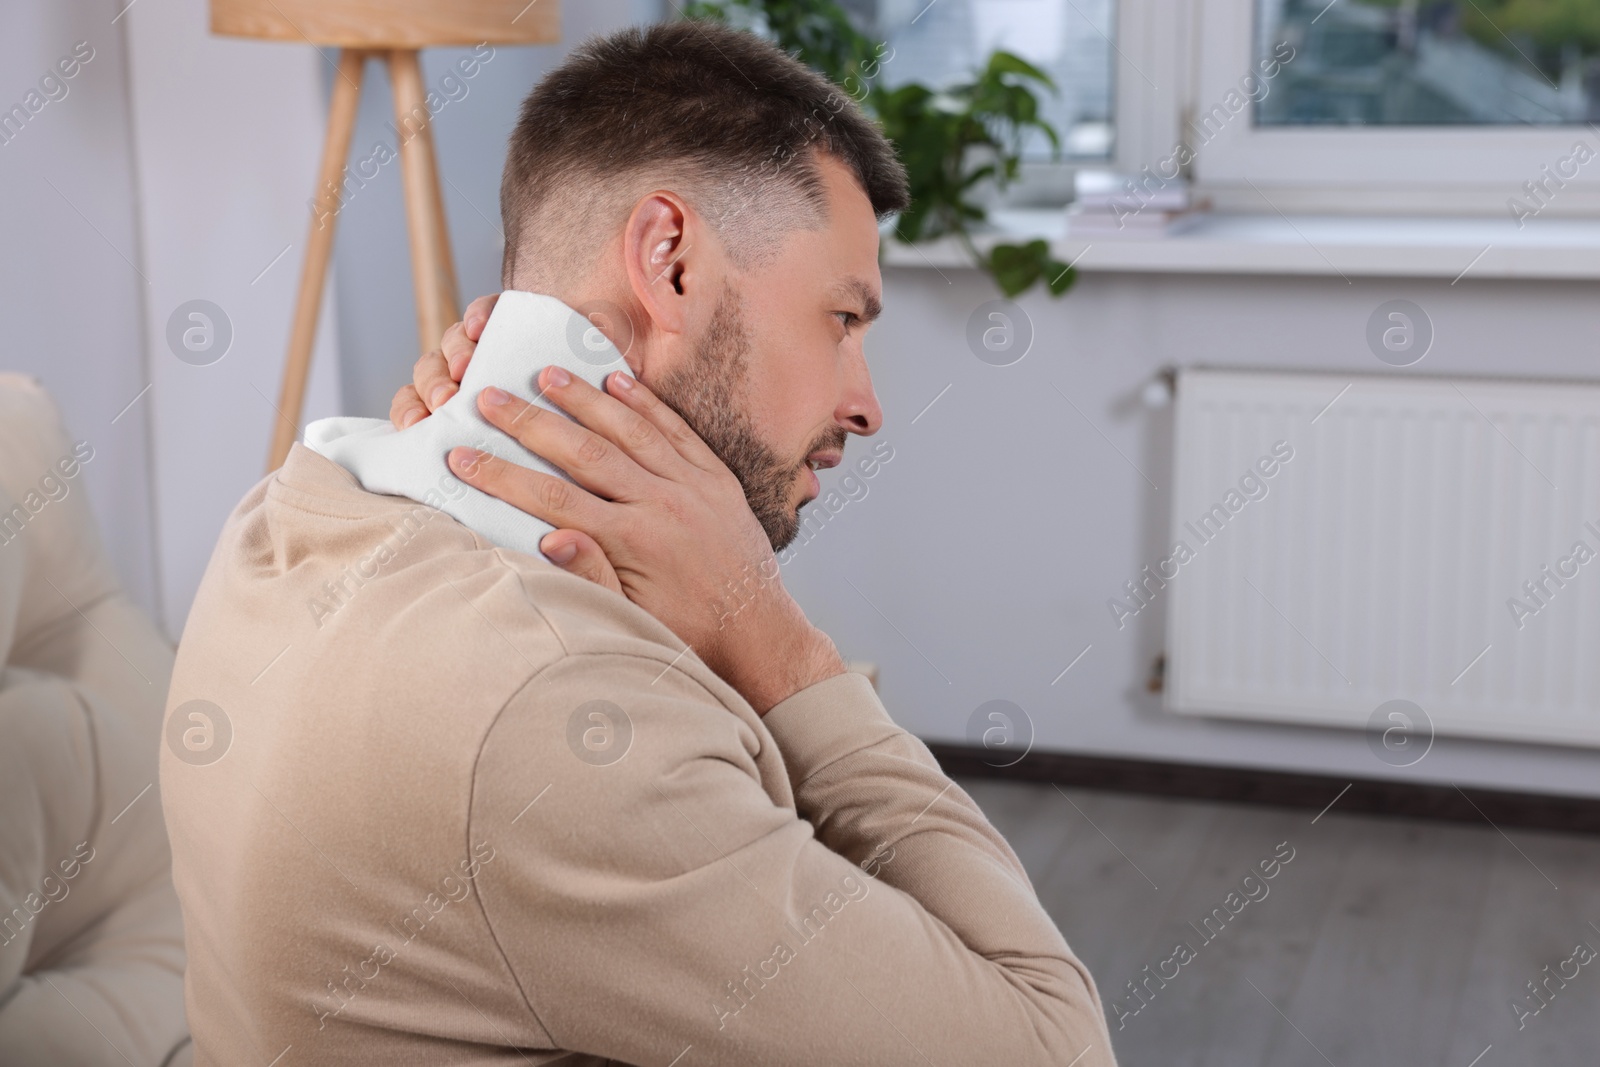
(847, 318)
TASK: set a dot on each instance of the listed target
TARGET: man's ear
(658, 253)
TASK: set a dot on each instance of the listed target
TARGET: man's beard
(709, 391)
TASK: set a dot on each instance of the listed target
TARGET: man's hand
(680, 541)
(655, 515)
(437, 375)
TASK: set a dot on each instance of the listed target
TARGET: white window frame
(1151, 69)
(1402, 170)
(1177, 59)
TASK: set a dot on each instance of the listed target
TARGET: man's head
(713, 205)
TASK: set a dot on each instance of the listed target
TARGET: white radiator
(1433, 540)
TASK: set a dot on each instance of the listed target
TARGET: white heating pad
(525, 333)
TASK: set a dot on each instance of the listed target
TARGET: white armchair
(91, 937)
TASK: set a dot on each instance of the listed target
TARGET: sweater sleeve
(657, 903)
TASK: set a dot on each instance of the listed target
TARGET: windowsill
(1339, 246)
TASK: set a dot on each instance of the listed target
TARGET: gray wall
(70, 294)
(227, 135)
(120, 202)
(993, 539)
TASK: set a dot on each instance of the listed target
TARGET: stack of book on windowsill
(1108, 204)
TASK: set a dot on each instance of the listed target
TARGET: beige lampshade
(381, 24)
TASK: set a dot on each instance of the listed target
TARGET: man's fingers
(460, 339)
(638, 397)
(458, 349)
(589, 458)
(478, 315)
(612, 420)
(407, 407)
(434, 377)
(431, 377)
(577, 553)
(555, 500)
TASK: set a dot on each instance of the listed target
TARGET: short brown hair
(730, 116)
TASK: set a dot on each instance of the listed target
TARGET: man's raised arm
(674, 899)
(670, 903)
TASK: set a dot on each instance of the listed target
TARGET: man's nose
(858, 411)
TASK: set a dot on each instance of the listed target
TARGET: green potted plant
(956, 141)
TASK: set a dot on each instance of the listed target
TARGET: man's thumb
(577, 553)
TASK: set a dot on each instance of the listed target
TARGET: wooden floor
(1383, 941)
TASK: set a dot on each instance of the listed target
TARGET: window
(1376, 63)
(1458, 107)
(1071, 40)
(1425, 106)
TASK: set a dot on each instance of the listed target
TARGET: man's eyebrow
(871, 306)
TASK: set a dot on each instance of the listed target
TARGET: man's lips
(815, 462)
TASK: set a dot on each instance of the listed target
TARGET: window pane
(1430, 62)
(941, 43)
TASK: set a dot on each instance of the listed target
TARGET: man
(475, 807)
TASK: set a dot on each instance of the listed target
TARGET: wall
(71, 288)
(979, 563)
(122, 201)
(227, 134)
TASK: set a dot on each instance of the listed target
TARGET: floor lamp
(394, 31)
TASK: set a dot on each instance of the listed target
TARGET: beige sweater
(449, 804)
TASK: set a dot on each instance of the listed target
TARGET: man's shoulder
(326, 624)
(311, 560)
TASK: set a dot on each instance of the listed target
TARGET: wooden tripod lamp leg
(319, 248)
(433, 274)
